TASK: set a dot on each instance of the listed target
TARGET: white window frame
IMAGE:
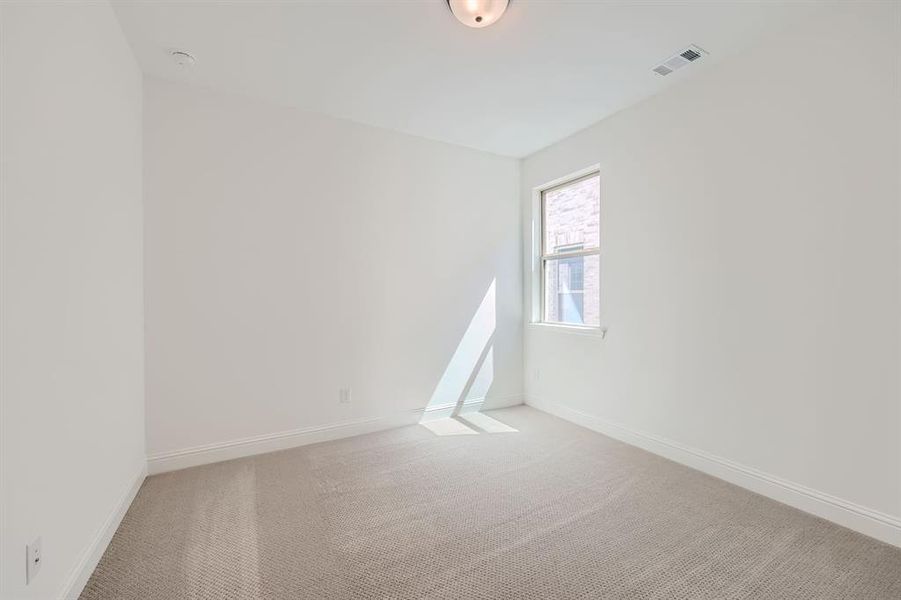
(540, 256)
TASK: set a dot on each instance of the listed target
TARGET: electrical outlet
(344, 395)
(33, 557)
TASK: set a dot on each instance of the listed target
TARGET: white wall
(750, 275)
(72, 349)
(290, 254)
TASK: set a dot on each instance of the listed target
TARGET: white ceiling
(545, 70)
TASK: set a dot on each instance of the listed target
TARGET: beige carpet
(549, 510)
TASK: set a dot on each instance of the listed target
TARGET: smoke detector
(679, 60)
(182, 59)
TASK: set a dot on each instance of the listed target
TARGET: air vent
(677, 61)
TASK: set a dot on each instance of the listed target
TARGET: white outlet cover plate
(344, 395)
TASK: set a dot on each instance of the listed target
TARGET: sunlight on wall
(484, 378)
(470, 372)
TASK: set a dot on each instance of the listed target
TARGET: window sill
(596, 332)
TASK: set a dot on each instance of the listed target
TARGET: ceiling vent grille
(679, 60)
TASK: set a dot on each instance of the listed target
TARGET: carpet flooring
(510, 504)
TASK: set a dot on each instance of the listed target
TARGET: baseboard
(443, 411)
(92, 554)
(873, 523)
(261, 444)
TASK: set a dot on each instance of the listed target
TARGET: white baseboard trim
(873, 523)
(442, 411)
(261, 444)
(92, 554)
(272, 442)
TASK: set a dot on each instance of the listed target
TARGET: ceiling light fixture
(182, 59)
(478, 13)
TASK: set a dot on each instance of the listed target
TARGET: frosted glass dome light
(478, 13)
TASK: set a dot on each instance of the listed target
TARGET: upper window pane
(572, 215)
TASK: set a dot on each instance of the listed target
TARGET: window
(571, 253)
